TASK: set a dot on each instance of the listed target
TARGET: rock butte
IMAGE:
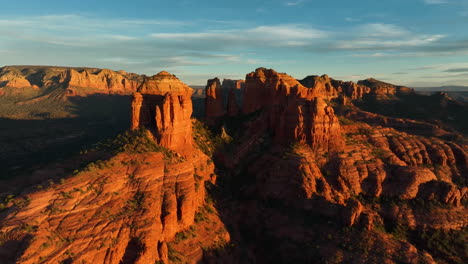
(163, 104)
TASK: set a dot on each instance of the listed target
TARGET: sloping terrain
(279, 171)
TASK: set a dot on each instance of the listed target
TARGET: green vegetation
(420, 107)
(136, 203)
(446, 246)
(133, 141)
(345, 121)
(186, 234)
(206, 141)
(54, 129)
(173, 255)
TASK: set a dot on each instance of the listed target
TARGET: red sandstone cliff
(104, 80)
(163, 104)
(214, 102)
(75, 81)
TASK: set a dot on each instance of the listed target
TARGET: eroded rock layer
(163, 104)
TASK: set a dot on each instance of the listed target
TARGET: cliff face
(11, 77)
(106, 81)
(321, 86)
(382, 88)
(73, 81)
(222, 98)
(214, 106)
(163, 104)
(295, 113)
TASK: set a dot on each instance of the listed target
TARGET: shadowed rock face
(382, 88)
(163, 104)
(222, 99)
(214, 106)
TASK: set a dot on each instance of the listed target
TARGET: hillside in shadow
(28, 143)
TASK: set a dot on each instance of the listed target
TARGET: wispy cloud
(435, 2)
(294, 3)
(141, 44)
(268, 36)
(457, 70)
(352, 19)
(383, 37)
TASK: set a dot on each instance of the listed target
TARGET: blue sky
(410, 42)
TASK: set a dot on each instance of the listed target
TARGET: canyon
(277, 170)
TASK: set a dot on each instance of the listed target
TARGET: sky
(409, 42)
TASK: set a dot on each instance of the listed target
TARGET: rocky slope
(336, 161)
(130, 207)
(304, 174)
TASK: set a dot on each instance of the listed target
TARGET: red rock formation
(405, 181)
(321, 86)
(10, 77)
(444, 192)
(229, 84)
(308, 121)
(380, 88)
(163, 104)
(232, 106)
(214, 107)
(80, 81)
(295, 112)
(262, 86)
(126, 215)
(351, 89)
(352, 212)
(106, 80)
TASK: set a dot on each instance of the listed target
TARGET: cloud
(400, 73)
(445, 67)
(457, 70)
(261, 36)
(352, 19)
(382, 37)
(298, 2)
(139, 45)
(435, 2)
